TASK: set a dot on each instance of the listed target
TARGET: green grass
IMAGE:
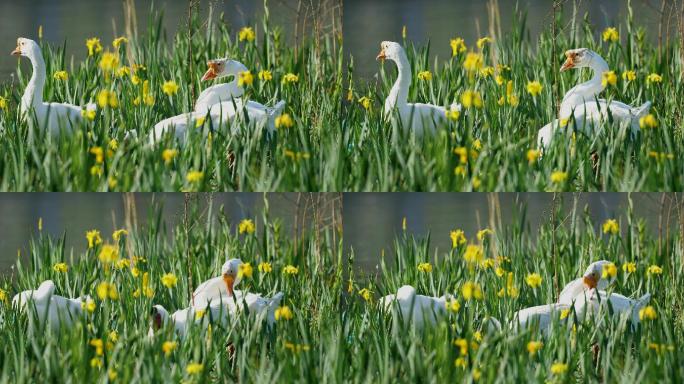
(336, 145)
(342, 337)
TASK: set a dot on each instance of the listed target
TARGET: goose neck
(33, 95)
(398, 95)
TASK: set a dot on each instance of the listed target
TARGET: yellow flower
(265, 75)
(113, 336)
(89, 305)
(654, 78)
(194, 368)
(484, 233)
(471, 99)
(647, 313)
(107, 290)
(534, 88)
(471, 290)
(629, 75)
(93, 45)
(473, 62)
(109, 62)
(246, 226)
(461, 362)
(284, 313)
(194, 176)
(534, 280)
(366, 294)
(96, 170)
(457, 238)
(453, 114)
(559, 368)
(483, 41)
(654, 270)
(96, 362)
(487, 263)
(118, 41)
(403, 223)
(265, 267)
(648, 121)
(462, 153)
(93, 237)
(107, 98)
(629, 267)
(200, 122)
(487, 71)
(169, 280)
(168, 347)
(366, 102)
(534, 346)
(296, 348)
(457, 46)
(246, 33)
(245, 270)
(200, 313)
(533, 156)
(425, 267)
(3, 295)
(611, 34)
(245, 78)
(473, 254)
(290, 270)
(61, 75)
(660, 348)
(611, 226)
(425, 75)
(565, 313)
(609, 271)
(108, 254)
(3, 103)
(558, 177)
(98, 153)
(121, 264)
(113, 145)
(290, 78)
(453, 305)
(118, 233)
(59, 267)
(499, 271)
(608, 78)
(284, 120)
(168, 155)
(462, 345)
(170, 87)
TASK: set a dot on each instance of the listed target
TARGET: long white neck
(585, 92)
(398, 95)
(33, 94)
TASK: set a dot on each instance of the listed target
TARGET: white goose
(50, 309)
(418, 117)
(416, 310)
(580, 104)
(49, 116)
(221, 291)
(594, 302)
(219, 105)
(592, 278)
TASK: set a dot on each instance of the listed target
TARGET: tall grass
(335, 334)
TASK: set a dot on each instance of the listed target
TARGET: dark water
(74, 21)
(373, 220)
(75, 213)
(366, 23)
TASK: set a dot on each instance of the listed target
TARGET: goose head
(390, 50)
(230, 274)
(593, 276)
(26, 47)
(223, 67)
(578, 58)
(159, 316)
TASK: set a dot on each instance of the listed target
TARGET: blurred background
(366, 23)
(72, 214)
(373, 220)
(74, 21)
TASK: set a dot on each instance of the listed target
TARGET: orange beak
(16, 52)
(229, 280)
(381, 55)
(569, 63)
(590, 282)
(210, 73)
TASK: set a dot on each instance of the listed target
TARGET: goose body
(419, 118)
(53, 117)
(47, 308)
(539, 317)
(594, 302)
(416, 310)
(184, 319)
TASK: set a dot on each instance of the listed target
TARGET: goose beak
(210, 73)
(16, 52)
(569, 64)
(590, 282)
(229, 280)
(381, 55)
